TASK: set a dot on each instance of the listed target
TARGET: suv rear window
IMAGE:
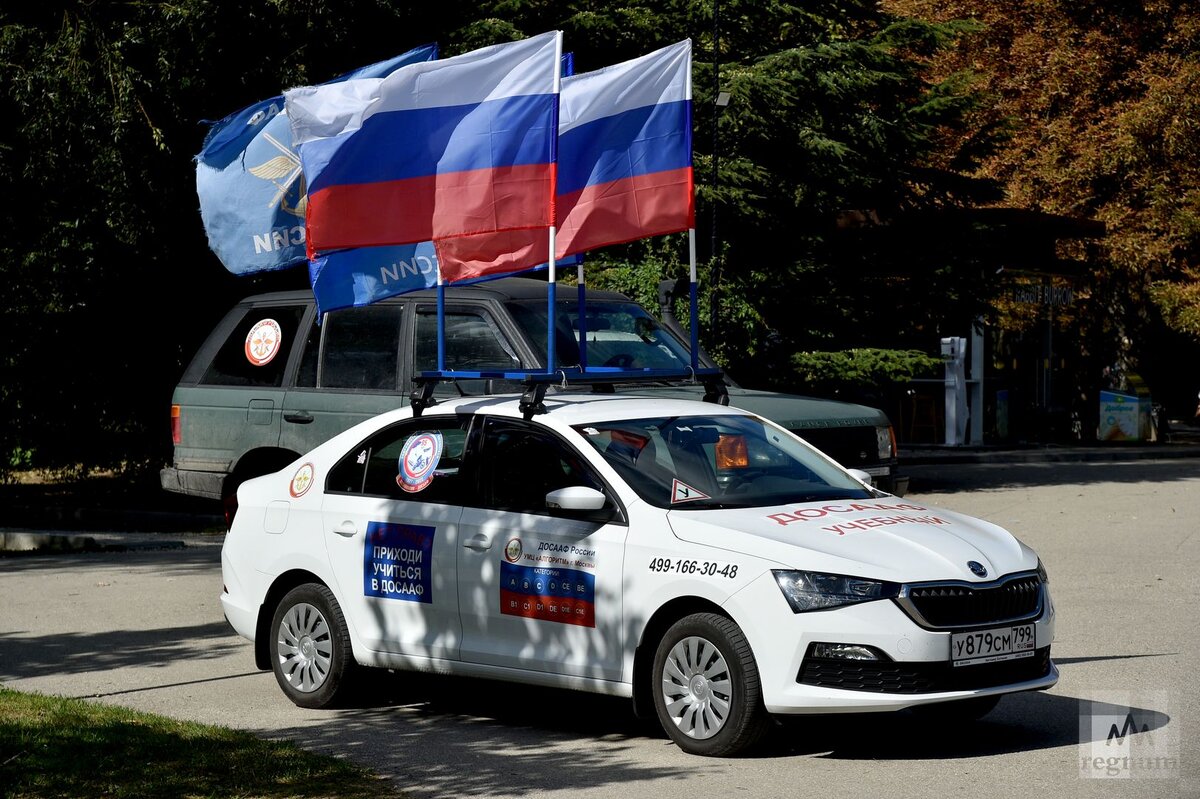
(256, 352)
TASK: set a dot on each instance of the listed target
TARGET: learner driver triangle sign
(682, 492)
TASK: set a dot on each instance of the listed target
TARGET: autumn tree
(1099, 101)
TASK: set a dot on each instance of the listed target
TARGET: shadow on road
(465, 737)
(1021, 723)
(172, 561)
(74, 653)
(449, 736)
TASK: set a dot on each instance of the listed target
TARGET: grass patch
(52, 747)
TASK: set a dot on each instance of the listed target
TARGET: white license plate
(992, 646)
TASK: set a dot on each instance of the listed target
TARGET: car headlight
(807, 591)
(1042, 575)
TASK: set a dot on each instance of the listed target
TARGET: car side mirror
(862, 477)
(579, 498)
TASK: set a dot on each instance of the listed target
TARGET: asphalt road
(144, 629)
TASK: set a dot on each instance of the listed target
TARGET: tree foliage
(1099, 101)
(869, 375)
(110, 285)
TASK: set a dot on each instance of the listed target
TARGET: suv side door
(349, 371)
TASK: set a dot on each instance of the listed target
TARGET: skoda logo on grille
(977, 568)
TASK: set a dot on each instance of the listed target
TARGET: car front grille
(889, 677)
(956, 605)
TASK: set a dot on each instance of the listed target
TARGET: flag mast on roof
(551, 260)
(625, 160)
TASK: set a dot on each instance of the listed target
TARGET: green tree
(111, 285)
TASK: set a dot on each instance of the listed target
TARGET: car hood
(885, 539)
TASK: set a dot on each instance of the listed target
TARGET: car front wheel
(706, 687)
(310, 647)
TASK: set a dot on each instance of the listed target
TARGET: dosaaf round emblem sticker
(263, 342)
(512, 550)
(418, 459)
(302, 480)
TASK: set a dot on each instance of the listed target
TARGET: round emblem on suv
(977, 568)
(262, 342)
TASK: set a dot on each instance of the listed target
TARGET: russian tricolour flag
(625, 152)
(459, 151)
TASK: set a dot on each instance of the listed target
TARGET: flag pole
(550, 300)
(551, 265)
(693, 302)
(441, 321)
(582, 317)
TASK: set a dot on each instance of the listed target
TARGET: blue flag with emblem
(250, 184)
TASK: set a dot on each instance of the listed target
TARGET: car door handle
(346, 529)
(478, 542)
(303, 417)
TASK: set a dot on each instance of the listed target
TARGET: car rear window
(256, 351)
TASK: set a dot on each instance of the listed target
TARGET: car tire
(706, 688)
(959, 710)
(310, 648)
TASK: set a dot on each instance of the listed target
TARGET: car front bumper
(915, 668)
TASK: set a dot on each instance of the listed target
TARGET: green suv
(273, 381)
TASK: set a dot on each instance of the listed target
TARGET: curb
(87, 519)
(958, 455)
(22, 542)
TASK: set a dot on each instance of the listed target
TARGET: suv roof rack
(537, 383)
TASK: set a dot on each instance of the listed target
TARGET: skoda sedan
(700, 560)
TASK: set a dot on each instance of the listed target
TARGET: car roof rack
(537, 382)
(599, 378)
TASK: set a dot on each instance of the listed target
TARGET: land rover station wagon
(270, 382)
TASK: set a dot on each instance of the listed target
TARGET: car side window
(419, 460)
(256, 351)
(519, 464)
(473, 343)
(354, 348)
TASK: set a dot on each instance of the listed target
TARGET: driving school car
(697, 558)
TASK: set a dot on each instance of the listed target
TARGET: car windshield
(618, 334)
(710, 462)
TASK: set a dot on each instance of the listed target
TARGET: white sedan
(696, 558)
